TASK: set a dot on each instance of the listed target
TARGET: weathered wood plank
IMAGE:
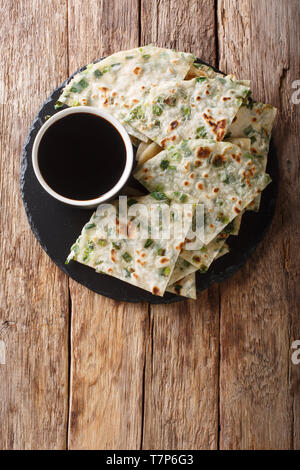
(108, 347)
(34, 293)
(188, 25)
(181, 381)
(259, 399)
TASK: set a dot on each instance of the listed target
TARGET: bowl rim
(88, 203)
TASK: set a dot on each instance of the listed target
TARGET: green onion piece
(97, 73)
(165, 271)
(203, 269)
(148, 243)
(156, 110)
(248, 130)
(58, 104)
(161, 252)
(164, 164)
(158, 196)
(126, 256)
(201, 132)
(117, 245)
(183, 198)
(201, 79)
(89, 226)
(127, 272)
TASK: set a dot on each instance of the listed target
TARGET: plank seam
(69, 291)
(219, 374)
(216, 33)
(69, 366)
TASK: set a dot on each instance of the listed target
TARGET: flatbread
(144, 262)
(185, 287)
(223, 178)
(201, 107)
(255, 122)
(117, 83)
(203, 257)
(146, 151)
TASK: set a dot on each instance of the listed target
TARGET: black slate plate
(56, 226)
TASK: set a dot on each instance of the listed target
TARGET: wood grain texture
(186, 25)
(181, 381)
(259, 386)
(34, 292)
(108, 338)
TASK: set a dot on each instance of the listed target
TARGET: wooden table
(82, 371)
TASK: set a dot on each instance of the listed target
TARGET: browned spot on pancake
(216, 190)
(103, 88)
(198, 98)
(105, 102)
(234, 119)
(218, 160)
(155, 290)
(143, 255)
(203, 152)
(180, 246)
(254, 119)
(186, 183)
(192, 175)
(173, 137)
(135, 101)
(187, 165)
(233, 198)
(135, 275)
(114, 93)
(125, 105)
(198, 163)
(164, 141)
(253, 150)
(164, 260)
(137, 70)
(206, 175)
(169, 100)
(197, 259)
(200, 186)
(145, 170)
(109, 270)
(113, 255)
(142, 263)
(236, 210)
(240, 202)
(218, 127)
(226, 98)
(211, 225)
(174, 124)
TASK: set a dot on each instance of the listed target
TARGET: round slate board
(56, 227)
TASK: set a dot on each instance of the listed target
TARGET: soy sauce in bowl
(82, 156)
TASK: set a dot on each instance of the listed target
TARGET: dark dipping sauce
(82, 156)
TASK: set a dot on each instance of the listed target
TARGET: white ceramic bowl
(91, 203)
